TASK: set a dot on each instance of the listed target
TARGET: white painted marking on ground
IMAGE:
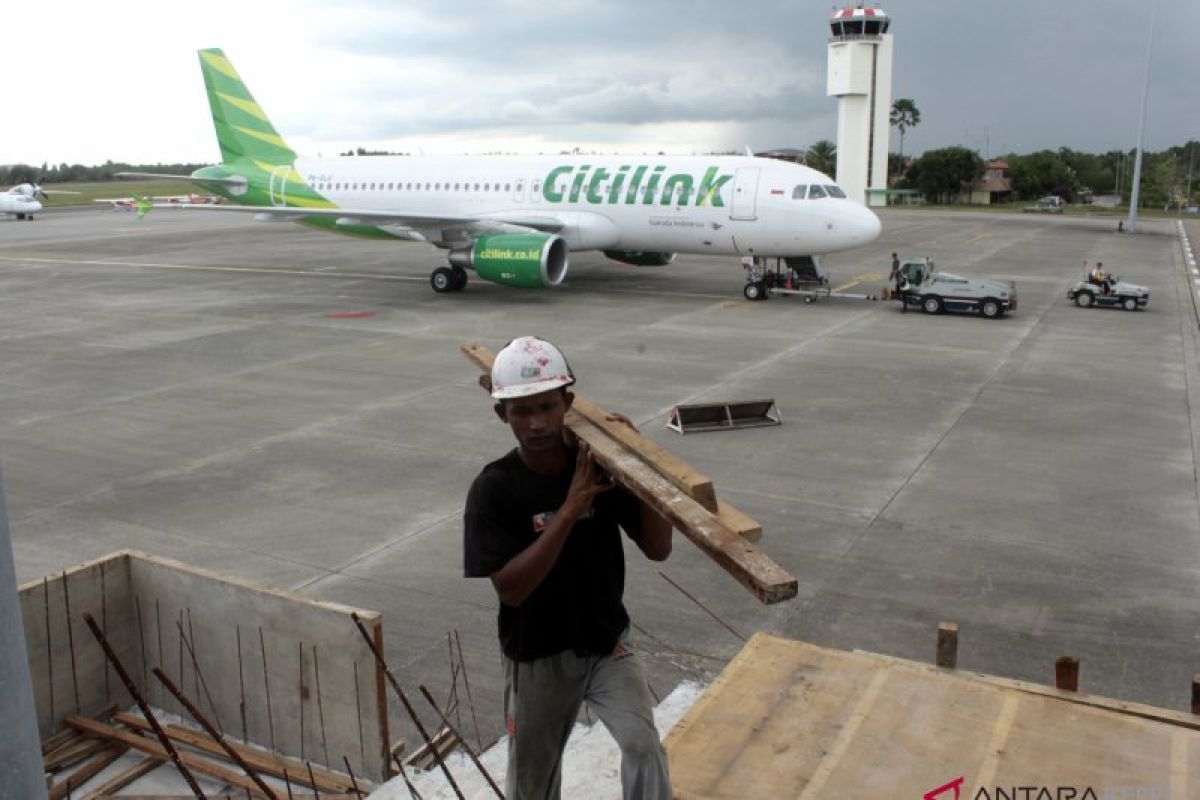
(255, 270)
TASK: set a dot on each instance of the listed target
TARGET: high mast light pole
(1137, 160)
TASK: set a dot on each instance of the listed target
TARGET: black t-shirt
(578, 606)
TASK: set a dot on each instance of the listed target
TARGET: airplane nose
(867, 225)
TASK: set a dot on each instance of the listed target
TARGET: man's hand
(624, 420)
(589, 480)
(518, 579)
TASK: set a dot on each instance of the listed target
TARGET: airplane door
(279, 177)
(519, 190)
(745, 194)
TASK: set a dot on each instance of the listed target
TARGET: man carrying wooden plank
(542, 522)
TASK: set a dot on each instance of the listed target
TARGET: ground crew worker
(1101, 278)
(542, 523)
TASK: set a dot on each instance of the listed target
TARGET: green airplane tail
(243, 130)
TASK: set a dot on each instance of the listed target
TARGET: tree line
(945, 175)
(80, 173)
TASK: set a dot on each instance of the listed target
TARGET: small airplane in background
(24, 199)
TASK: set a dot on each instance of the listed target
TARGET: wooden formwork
(790, 719)
(266, 667)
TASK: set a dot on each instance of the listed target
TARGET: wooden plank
(788, 719)
(75, 751)
(88, 771)
(443, 741)
(190, 760)
(947, 646)
(118, 782)
(258, 760)
(64, 737)
(683, 475)
(765, 579)
(68, 734)
(769, 582)
(739, 522)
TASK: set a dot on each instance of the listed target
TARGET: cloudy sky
(90, 81)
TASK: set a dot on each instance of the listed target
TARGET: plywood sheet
(789, 719)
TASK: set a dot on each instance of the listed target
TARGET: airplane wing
(546, 224)
(188, 178)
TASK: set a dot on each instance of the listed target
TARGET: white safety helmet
(529, 365)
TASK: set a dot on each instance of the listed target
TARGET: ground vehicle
(800, 276)
(1115, 292)
(1050, 204)
(924, 287)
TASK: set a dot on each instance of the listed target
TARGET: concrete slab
(177, 386)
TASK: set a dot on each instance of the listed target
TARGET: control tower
(860, 77)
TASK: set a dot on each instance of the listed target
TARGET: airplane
(23, 200)
(513, 220)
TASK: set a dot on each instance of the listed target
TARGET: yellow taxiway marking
(979, 237)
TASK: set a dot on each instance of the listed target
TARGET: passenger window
(815, 192)
(799, 192)
(835, 191)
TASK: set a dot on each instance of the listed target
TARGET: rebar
(379, 659)
(137, 696)
(213, 733)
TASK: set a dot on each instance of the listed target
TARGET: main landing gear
(448, 279)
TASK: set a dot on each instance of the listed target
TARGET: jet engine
(639, 258)
(526, 260)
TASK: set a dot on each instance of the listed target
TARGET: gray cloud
(994, 75)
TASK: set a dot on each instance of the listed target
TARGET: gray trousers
(541, 701)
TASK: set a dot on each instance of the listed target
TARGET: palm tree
(905, 115)
(822, 157)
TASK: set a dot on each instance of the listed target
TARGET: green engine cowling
(525, 260)
(640, 258)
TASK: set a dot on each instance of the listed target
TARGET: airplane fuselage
(13, 202)
(721, 205)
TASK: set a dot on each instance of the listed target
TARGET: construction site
(915, 556)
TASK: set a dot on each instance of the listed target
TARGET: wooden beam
(947, 645)
(88, 771)
(75, 751)
(190, 760)
(1066, 674)
(68, 734)
(769, 582)
(258, 760)
(683, 475)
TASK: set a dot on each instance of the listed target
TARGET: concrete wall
(155, 608)
(70, 673)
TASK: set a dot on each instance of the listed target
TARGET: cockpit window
(799, 192)
(816, 191)
(835, 191)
